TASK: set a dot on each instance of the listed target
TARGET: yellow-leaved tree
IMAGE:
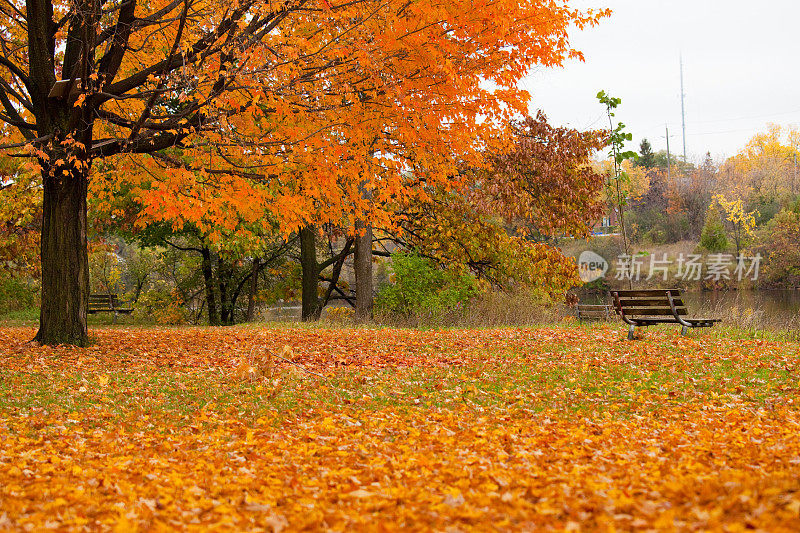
(742, 222)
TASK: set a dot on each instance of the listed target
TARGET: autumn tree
(233, 242)
(416, 119)
(462, 238)
(765, 172)
(669, 207)
(544, 179)
(741, 221)
(20, 219)
(82, 81)
(313, 271)
(778, 242)
(244, 89)
(540, 187)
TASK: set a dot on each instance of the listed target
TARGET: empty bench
(655, 306)
(108, 303)
(593, 312)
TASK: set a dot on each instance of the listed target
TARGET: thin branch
(181, 248)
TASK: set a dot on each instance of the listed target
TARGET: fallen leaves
(522, 429)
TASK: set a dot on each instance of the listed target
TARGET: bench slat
(652, 321)
(628, 308)
(643, 311)
(650, 301)
(647, 293)
(108, 303)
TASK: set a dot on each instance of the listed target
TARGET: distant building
(608, 224)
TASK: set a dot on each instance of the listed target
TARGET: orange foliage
(521, 429)
(20, 219)
(360, 96)
(227, 114)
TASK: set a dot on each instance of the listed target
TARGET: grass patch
(565, 379)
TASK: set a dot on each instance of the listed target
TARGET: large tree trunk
(363, 269)
(65, 261)
(65, 172)
(310, 267)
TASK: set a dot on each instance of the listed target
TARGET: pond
(757, 309)
(780, 308)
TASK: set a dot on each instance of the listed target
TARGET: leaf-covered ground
(566, 428)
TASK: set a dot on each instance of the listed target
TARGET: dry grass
(498, 309)
(491, 309)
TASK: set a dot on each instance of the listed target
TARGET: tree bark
(65, 171)
(226, 303)
(310, 267)
(65, 262)
(363, 269)
(251, 297)
(211, 291)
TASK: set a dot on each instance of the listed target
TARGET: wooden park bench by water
(108, 303)
(593, 312)
(656, 306)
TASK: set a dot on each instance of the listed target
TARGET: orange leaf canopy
(331, 113)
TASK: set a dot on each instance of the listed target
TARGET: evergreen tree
(713, 237)
(647, 158)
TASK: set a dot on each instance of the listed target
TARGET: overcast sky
(741, 63)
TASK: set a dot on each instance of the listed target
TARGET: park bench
(108, 303)
(655, 306)
(593, 312)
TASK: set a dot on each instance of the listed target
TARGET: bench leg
(631, 330)
(683, 331)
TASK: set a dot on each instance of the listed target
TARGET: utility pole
(683, 112)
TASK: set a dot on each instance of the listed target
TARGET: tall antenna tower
(683, 112)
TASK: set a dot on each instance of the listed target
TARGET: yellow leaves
(276, 522)
(360, 493)
(735, 213)
(124, 525)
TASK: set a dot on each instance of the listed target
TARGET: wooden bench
(593, 311)
(108, 303)
(656, 306)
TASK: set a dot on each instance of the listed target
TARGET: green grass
(23, 317)
(556, 382)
